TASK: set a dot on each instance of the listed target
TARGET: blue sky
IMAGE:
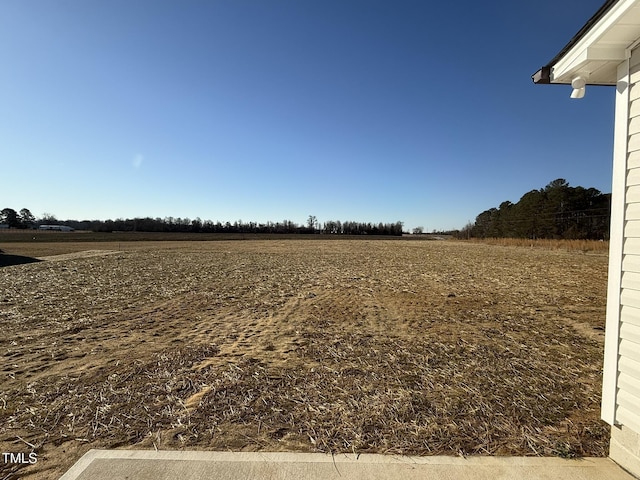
(365, 110)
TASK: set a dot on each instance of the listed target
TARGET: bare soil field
(383, 346)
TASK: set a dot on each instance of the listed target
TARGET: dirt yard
(414, 347)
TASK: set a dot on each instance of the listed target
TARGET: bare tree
(311, 222)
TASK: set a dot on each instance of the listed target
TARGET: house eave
(598, 48)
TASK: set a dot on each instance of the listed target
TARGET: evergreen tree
(555, 211)
(10, 217)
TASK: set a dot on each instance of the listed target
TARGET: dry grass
(591, 246)
(386, 346)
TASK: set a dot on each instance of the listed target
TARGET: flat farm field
(387, 346)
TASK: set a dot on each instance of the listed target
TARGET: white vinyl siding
(627, 397)
(633, 194)
(630, 314)
(633, 177)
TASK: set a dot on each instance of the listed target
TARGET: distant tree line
(24, 219)
(555, 211)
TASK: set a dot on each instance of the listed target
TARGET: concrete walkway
(165, 465)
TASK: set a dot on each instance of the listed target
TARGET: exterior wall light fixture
(579, 87)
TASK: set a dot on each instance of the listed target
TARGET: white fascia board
(609, 54)
(563, 71)
(580, 65)
(587, 49)
(581, 59)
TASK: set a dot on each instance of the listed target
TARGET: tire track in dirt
(76, 255)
